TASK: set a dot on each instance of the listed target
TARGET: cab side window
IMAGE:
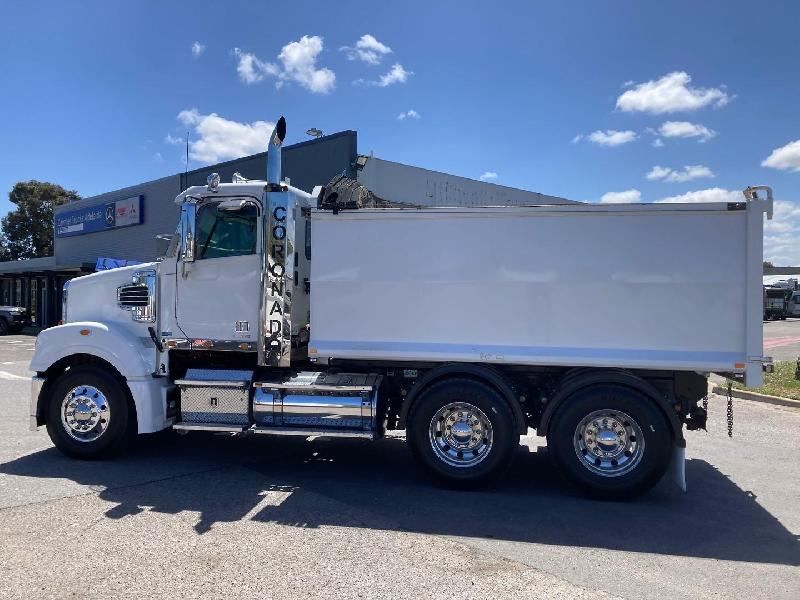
(225, 233)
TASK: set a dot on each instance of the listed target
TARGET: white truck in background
(278, 312)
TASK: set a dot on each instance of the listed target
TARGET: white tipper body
(648, 286)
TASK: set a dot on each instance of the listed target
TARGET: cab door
(218, 288)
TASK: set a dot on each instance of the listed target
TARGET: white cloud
(671, 93)
(685, 129)
(709, 195)
(409, 114)
(367, 49)
(158, 158)
(298, 64)
(397, 74)
(658, 173)
(611, 137)
(488, 176)
(657, 143)
(785, 158)
(251, 69)
(625, 197)
(577, 138)
(218, 138)
(688, 173)
(173, 140)
(197, 49)
(782, 234)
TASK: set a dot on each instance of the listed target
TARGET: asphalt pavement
(208, 515)
(782, 339)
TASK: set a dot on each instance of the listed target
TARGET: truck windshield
(225, 233)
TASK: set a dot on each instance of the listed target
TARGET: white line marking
(11, 377)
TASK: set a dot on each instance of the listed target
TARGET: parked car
(13, 319)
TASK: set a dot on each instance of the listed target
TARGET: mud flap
(677, 466)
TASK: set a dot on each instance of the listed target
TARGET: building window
(34, 300)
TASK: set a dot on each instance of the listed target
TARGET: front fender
(131, 354)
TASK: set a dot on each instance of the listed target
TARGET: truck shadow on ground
(350, 483)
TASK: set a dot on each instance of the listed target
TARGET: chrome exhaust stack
(274, 153)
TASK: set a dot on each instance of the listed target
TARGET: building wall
(306, 164)
(403, 183)
(136, 242)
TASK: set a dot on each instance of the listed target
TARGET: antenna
(186, 171)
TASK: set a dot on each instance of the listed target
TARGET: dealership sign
(99, 217)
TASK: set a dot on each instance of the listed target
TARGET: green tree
(768, 265)
(27, 231)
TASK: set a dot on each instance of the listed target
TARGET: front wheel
(462, 431)
(611, 441)
(88, 415)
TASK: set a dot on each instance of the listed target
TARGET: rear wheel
(88, 415)
(462, 432)
(3, 326)
(611, 441)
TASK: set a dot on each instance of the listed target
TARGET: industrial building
(122, 226)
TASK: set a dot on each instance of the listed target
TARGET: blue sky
(588, 100)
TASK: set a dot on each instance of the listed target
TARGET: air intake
(131, 296)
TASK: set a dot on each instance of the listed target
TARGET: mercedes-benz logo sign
(109, 215)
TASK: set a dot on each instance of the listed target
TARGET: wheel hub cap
(461, 434)
(85, 413)
(609, 443)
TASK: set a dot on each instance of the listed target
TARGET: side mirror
(188, 219)
(163, 241)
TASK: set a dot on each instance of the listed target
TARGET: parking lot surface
(213, 516)
(782, 339)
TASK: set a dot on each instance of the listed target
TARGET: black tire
(653, 457)
(3, 326)
(121, 426)
(504, 437)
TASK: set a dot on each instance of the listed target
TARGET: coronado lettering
(277, 272)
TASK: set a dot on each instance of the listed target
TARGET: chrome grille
(139, 296)
(133, 295)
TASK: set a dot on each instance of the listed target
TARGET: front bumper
(20, 321)
(36, 389)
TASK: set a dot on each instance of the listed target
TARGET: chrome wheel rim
(461, 434)
(609, 443)
(85, 413)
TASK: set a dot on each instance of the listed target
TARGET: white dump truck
(279, 312)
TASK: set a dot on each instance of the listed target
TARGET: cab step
(281, 431)
(218, 427)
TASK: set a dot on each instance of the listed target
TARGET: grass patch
(780, 383)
